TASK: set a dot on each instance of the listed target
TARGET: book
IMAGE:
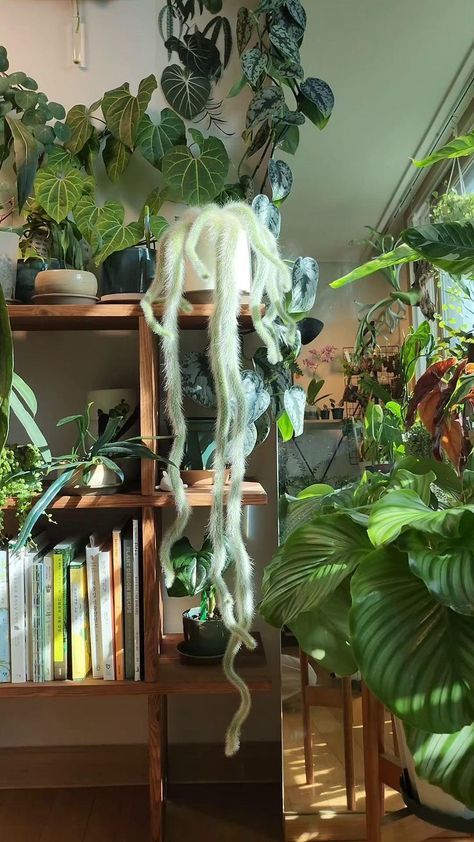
(63, 554)
(136, 599)
(93, 590)
(106, 602)
(118, 603)
(79, 625)
(128, 609)
(37, 620)
(16, 588)
(5, 662)
(47, 656)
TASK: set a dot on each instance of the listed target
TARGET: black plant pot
(208, 637)
(128, 271)
(338, 413)
(324, 414)
(26, 272)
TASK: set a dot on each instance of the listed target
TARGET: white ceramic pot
(101, 481)
(428, 794)
(8, 260)
(66, 281)
(201, 291)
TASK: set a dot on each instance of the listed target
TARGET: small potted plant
(325, 412)
(205, 635)
(337, 411)
(313, 396)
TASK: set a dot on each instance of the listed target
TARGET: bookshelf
(164, 673)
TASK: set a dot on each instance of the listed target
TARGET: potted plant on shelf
(325, 412)
(205, 635)
(337, 411)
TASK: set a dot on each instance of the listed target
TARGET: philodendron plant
(377, 577)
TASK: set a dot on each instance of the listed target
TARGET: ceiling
(396, 69)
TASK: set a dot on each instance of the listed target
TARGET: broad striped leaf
(281, 179)
(305, 277)
(446, 760)
(244, 28)
(448, 245)
(400, 510)
(196, 179)
(446, 567)
(27, 150)
(123, 111)
(155, 139)
(30, 426)
(58, 190)
(316, 100)
(254, 65)
(78, 121)
(323, 632)
(458, 147)
(415, 654)
(116, 157)
(186, 92)
(402, 254)
(313, 562)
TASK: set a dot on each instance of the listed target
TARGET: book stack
(72, 609)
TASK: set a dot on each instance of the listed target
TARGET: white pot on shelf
(101, 480)
(201, 290)
(8, 260)
(428, 794)
(66, 282)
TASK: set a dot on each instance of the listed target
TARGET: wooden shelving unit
(164, 672)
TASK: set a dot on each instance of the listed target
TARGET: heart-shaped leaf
(103, 227)
(26, 99)
(254, 65)
(116, 157)
(294, 401)
(305, 278)
(27, 150)
(297, 12)
(123, 111)
(196, 178)
(267, 103)
(257, 397)
(284, 37)
(395, 621)
(276, 378)
(288, 139)
(198, 54)
(191, 568)
(281, 179)
(446, 760)
(244, 29)
(155, 139)
(450, 246)
(260, 139)
(78, 121)
(316, 100)
(58, 189)
(268, 213)
(185, 91)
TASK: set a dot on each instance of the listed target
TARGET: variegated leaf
(78, 121)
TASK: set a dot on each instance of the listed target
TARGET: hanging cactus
(271, 280)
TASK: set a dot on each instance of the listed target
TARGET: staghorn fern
(271, 281)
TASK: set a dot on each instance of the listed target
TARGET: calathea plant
(378, 577)
(271, 279)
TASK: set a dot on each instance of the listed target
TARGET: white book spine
(28, 573)
(93, 588)
(36, 621)
(16, 569)
(136, 598)
(107, 614)
(5, 662)
(47, 657)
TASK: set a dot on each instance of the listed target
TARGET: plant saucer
(190, 658)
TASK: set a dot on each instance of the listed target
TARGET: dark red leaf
(427, 382)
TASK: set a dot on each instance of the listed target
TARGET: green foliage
(196, 175)
(21, 471)
(454, 207)
(457, 148)
(6, 368)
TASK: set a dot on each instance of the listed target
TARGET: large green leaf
(313, 562)
(116, 157)
(415, 654)
(6, 369)
(323, 632)
(58, 189)
(191, 568)
(123, 111)
(78, 121)
(284, 38)
(254, 65)
(294, 401)
(400, 510)
(155, 139)
(455, 148)
(113, 235)
(448, 245)
(196, 178)
(268, 102)
(446, 760)
(30, 426)
(186, 92)
(316, 101)
(401, 254)
(87, 215)
(27, 151)
(446, 567)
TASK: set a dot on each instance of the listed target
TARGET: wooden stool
(384, 769)
(340, 696)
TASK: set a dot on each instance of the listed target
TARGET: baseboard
(127, 765)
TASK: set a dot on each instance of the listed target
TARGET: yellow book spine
(80, 640)
(59, 654)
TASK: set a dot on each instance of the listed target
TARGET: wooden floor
(197, 813)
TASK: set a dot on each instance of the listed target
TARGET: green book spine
(62, 557)
(128, 604)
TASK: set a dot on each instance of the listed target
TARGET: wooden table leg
(348, 741)
(156, 760)
(373, 786)
(307, 736)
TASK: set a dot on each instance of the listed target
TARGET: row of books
(72, 609)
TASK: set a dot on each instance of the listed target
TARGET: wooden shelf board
(175, 677)
(103, 317)
(253, 495)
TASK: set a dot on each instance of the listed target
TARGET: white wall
(123, 44)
